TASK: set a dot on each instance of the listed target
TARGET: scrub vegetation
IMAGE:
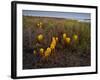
(50, 42)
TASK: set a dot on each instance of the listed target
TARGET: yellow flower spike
(53, 41)
(53, 38)
(75, 37)
(40, 37)
(52, 46)
(47, 52)
(41, 51)
(34, 52)
(56, 39)
(64, 35)
(68, 40)
(38, 24)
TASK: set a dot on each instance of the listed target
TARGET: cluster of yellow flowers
(51, 48)
(48, 51)
(40, 24)
(68, 39)
(53, 43)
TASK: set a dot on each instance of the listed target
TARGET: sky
(68, 15)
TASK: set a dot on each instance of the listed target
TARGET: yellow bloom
(40, 37)
(47, 52)
(52, 46)
(53, 38)
(67, 40)
(41, 51)
(38, 24)
(34, 52)
(56, 39)
(64, 35)
(75, 37)
(41, 23)
(53, 41)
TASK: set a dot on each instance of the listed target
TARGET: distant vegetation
(55, 42)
